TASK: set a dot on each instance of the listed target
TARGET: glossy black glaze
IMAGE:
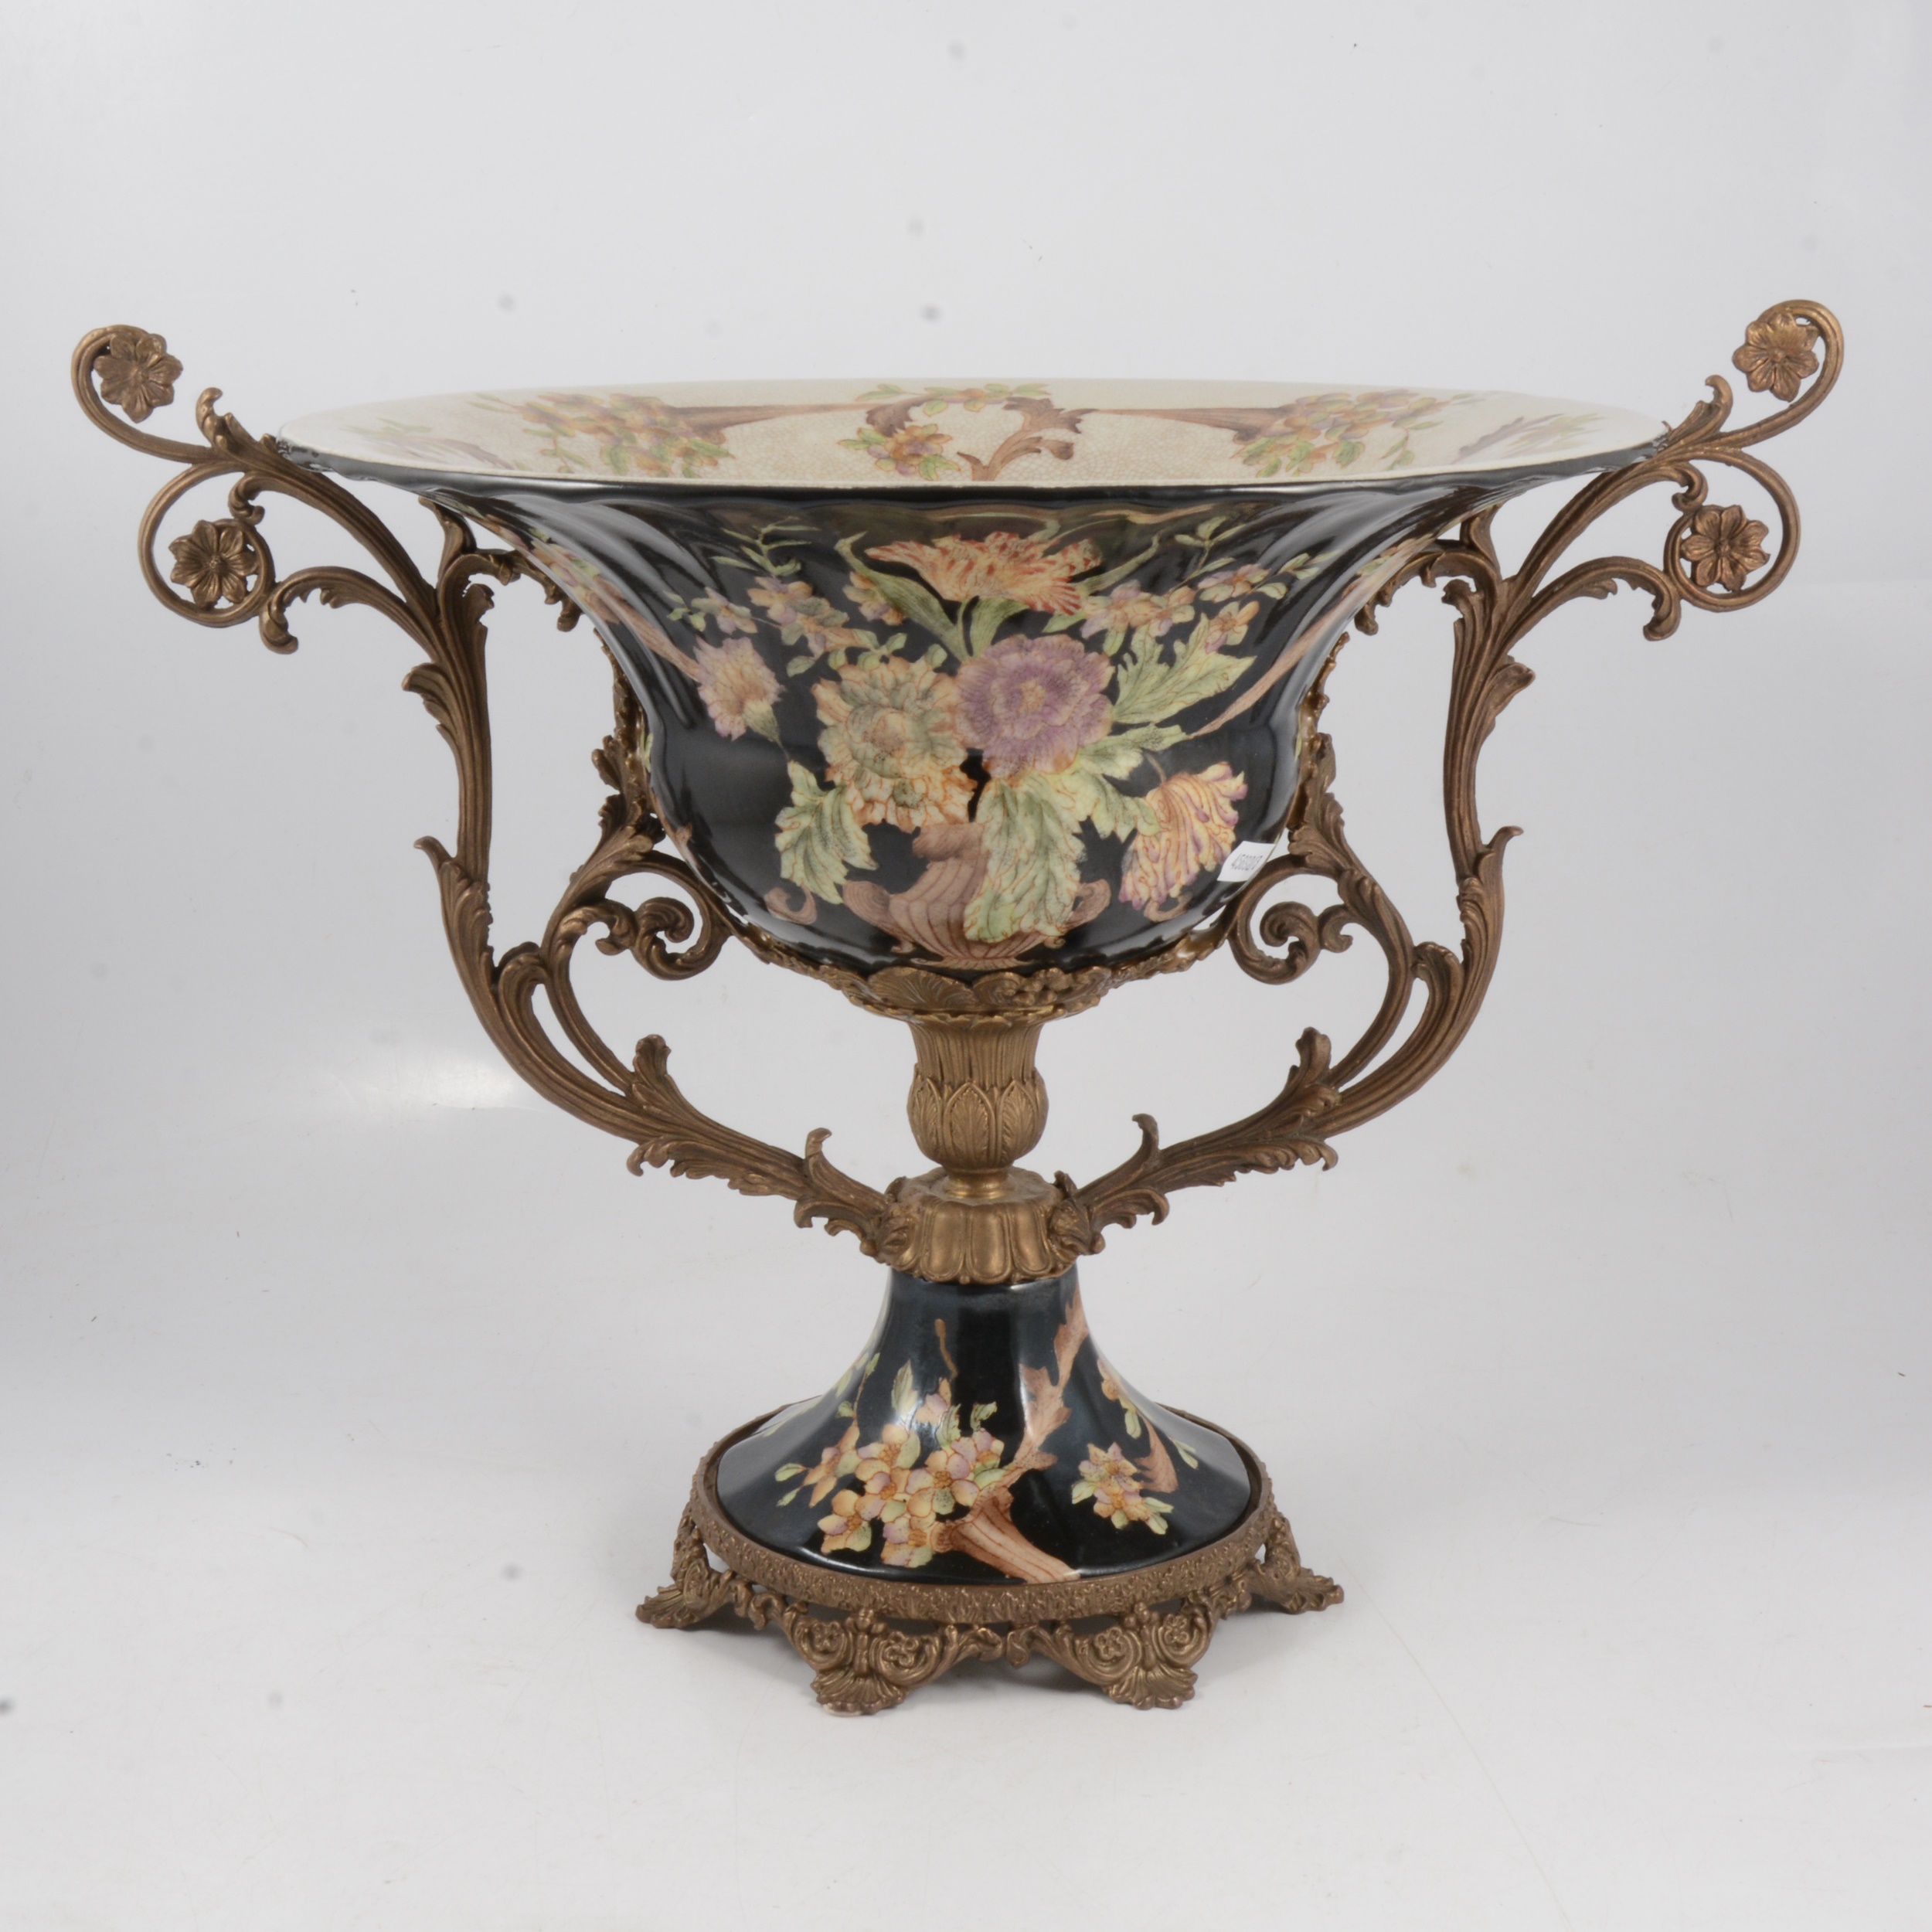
(976, 1342)
(660, 549)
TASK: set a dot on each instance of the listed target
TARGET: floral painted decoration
(636, 435)
(951, 434)
(1114, 1484)
(738, 689)
(1022, 571)
(932, 1482)
(1331, 430)
(1004, 699)
(892, 741)
(1035, 704)
(903, 1490)
(1196, 833)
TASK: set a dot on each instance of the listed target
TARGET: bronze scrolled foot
(871, 1642)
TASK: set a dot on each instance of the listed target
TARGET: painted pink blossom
(1114, 1485)
(803, 616)
(847, 1527)
(730, 616)
(1228, 625)
(1127, 607)
(964, 1467)
(738, 689)
(1237, 581)
(1031, 703)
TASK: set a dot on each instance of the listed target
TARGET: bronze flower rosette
(974, 837)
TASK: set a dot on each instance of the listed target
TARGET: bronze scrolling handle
(978, 1103)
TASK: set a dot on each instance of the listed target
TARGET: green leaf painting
(820, 839)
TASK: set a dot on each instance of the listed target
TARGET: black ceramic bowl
(906, 703)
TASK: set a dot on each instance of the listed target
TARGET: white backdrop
(347, 1396)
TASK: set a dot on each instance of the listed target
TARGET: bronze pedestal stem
(978, 1103)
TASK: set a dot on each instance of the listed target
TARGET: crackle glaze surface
(1057, 434)
(980, 1437)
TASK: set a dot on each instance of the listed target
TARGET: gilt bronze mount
(1137, 1636)
(1050, 721)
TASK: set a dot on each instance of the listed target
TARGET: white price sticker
(1247, 858)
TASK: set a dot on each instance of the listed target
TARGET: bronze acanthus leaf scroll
(230, 577)
(975, 1218)
(1712, 559)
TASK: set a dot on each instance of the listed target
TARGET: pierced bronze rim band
(834, 1589)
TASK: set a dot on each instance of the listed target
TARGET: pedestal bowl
(974, 700)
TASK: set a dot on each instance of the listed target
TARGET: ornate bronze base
(1137, 1634)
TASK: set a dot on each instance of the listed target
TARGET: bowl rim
(421, 480)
